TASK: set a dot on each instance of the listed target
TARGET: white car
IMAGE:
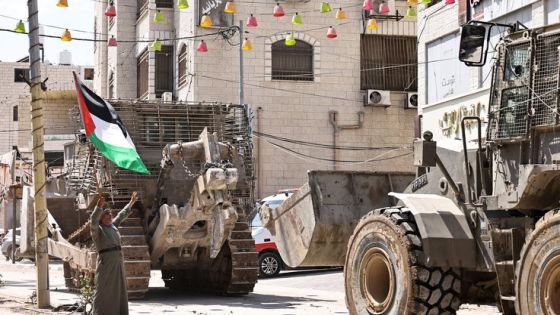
(270, 262)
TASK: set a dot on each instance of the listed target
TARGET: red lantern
(278, 10)
(367, 6)
(331, 33)
(251, 21)
(202, 47)
(111, 11)
(112, 42)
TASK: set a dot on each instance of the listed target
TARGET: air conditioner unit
(167, 96)
(411, 101)
(378, 98)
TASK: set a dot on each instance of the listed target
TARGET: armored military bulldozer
(481, 219)
(190, 219)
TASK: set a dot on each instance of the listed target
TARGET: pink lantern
(112, 42)
(331, 33)
(111, 11)
(251, 21)
(368, 5)
(202, 47)
(449, 2)
(383, 8)
(278, 11)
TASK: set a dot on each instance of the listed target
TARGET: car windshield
(273, 203)
(256, 222)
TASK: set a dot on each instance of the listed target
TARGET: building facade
(310, 101)
(447, 88)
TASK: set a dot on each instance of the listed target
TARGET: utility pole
(241, 92)
(40, 201)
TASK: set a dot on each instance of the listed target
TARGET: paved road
(293, 293)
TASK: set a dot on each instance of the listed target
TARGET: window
(164, 70)
(182, 77)
(388, 62)
(141, 8)
(434, 2)
(292, 62)
(164, 4)
(15, 113)
(88, 73)
(54, 158)
(21, 75)
(142, 74)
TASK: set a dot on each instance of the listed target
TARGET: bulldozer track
(233, 272)
(135, 254)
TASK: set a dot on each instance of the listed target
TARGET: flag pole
(40, 200)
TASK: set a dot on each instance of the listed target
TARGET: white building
(447, 88)
(315, 91)
(58, 99)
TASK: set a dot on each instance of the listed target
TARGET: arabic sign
(215, 9)
(450, 123)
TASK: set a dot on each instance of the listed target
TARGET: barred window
(292, 62)
(182, 62)
(142, 74)
(164, 70)
(164, 4)
(388, 62)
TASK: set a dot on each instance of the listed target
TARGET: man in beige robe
(110, 297)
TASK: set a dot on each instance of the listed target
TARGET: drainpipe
(337, 128)
(259, 177)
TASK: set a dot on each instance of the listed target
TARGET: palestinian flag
(106, 131)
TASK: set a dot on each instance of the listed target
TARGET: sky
(78, 16)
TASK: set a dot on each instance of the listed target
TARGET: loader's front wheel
(538, 270)
(385, 273)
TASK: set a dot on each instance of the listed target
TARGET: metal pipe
(40, 200)
(14, 226)
(259, 164)
(337, 127)
(465, 151)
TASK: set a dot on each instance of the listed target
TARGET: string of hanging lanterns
(278, 12)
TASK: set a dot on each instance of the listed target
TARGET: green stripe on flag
(122, 157)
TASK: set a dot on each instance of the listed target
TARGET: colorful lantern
(156, 45)
(66, 36)
(426, 2)
(290, 40)
(182, 4)
(331, 32)
(411, 2)
(112, 42)
(325, 7)
(340, 14)
(252, 21)
(372, 24)
(20, 27)
(296, 19)
(368, 5)
(202, 47)
(411, 12)
(159, 17)
(383, 8)
(62, 4)
(111, 11)
(449, 2)
(246, 45)
(230, 7)
(206, 21)
(278, 10)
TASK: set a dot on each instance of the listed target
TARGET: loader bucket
(312, 227)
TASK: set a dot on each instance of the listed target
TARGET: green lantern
(290, 40)
(159, 17)
(325, 7)
(296, 19)
(156, 45)
(426, 2)
(182, 4)
(20, 27)
(411, 12)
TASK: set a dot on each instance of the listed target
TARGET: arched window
(292, 62)
(182, 65)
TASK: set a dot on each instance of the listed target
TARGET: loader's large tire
(385, 274)
(538, 271)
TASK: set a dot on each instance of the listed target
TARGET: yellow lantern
(372, 24)
(340, 14)
(230, 7)
(66, 36)
(62, 4)
(246, 45)
(206, 21)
